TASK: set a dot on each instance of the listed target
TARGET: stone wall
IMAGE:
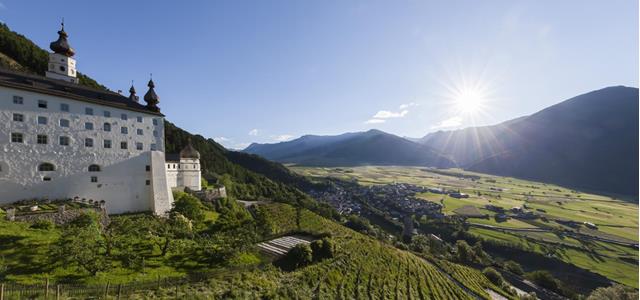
(60, 217)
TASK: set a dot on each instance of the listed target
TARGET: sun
(469, 100)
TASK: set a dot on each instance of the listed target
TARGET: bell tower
(62, 66)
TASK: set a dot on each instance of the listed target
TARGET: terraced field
(617, 219)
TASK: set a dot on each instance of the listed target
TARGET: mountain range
(589, 142)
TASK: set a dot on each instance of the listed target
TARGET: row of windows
(87, 110)
(87, 125)
(49, 167)
(43, 139)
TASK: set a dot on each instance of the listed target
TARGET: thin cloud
(448, 123)
(374, 121)
(221, 139)
(253, 132)
(407, 105)
(385, 114)
(282, 137)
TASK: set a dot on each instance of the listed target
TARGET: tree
(513, 267)
(545, 280)
(494, 276)
(188, 206)
(464, 252)
(322, 249)
(300, 255)
(481, 257)
(82, 244)
(164, 231)
(614, 292)
(420, 243)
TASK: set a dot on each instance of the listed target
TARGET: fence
(16, 291)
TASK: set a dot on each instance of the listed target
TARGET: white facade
(184, 173)
(62, 67)
(72, 135)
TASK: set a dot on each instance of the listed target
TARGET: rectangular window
(18, 100)
(42, 139)
(64, 141)
(139, 131)
(88, 111)
(17, 137)
(124, 130)
(64, 123)
(155, 122)
(123, 145)
(18, 117)
(148, 182)
(123, 117)
(153, 147)
(139, 119)
(155, 133)
(107, 113)
(64, 107)
(42, 103)
(138, 146)
(147, 168)
(42, 120)
(88, 142)
(106, 127)
(46, 178)
(107, 144)
(88, 126)
(94, 178)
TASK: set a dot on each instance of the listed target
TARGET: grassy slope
(615, 218)
(362, 268)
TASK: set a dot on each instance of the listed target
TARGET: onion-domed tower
(151, 97)
(189, 173)
(62, 66)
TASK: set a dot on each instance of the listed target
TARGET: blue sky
(266, 71)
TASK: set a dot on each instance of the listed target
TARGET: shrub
(189, 206)
(299, 256)
(513, 267)
(322, 249)
(545, 280)
(42, 224)
(493, 276)
(616, 291)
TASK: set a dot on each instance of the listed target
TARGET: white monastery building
(62, 140)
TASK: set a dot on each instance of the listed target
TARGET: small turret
(132, 93)
(151, 97)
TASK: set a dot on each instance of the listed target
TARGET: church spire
(132, 93)
(61, 46)
(151, 97)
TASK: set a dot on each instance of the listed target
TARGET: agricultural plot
(616, 219)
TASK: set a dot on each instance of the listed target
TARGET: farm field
(616, 219)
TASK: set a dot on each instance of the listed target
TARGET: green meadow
(616, 218)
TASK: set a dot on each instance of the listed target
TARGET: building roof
(54, 87)
(61, 46)
(189, 152)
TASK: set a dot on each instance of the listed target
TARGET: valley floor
(558, 231)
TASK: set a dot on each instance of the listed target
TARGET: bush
(84, 220)
(493, 276)
(545, 280)
(322, 249)
(616, 291)
(42, 224)
(299, 256)
(189, 206)
(513, 267)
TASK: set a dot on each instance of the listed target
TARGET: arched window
(46, 167)
(94, 168)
